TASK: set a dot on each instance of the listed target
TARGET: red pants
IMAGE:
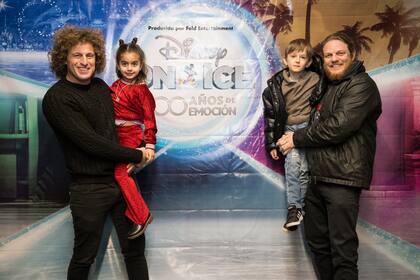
(137, 210)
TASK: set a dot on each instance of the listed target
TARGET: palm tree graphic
(308, 19)
(410, 37)
(356, 34)
(278, 18)
(401, 25)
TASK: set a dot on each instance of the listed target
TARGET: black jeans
(90, 204)
(330, 228)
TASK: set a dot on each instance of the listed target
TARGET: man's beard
(337, 75)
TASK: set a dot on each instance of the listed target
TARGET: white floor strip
(272, 176)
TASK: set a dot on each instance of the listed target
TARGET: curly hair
(135, 48)
(70, 36)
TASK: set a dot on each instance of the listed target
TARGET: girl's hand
(149, 154)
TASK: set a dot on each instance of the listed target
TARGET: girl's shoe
(139, 229)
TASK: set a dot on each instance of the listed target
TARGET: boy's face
(297, 61)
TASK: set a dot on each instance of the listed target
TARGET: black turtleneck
(82, 117)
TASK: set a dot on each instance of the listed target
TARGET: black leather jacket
(275, 115)
(341, 134)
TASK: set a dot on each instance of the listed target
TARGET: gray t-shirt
(296, 94)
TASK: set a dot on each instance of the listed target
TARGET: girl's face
(129, 66)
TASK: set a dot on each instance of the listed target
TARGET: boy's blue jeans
(296, 172)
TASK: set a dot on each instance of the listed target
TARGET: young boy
(286, 109)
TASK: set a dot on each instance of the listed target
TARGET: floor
(189, 244)
(17, 216)
(229, 228)
(396, 215)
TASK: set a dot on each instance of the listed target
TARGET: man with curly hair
(79, 109)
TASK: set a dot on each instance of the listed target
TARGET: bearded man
(341, 144)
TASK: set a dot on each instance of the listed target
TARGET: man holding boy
(341, 143)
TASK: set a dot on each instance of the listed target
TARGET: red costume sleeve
(148, 104)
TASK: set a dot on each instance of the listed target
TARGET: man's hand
(285, 143)
(144, 159)
(273, 154)
(130, 167)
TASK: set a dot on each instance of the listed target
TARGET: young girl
(135, 120)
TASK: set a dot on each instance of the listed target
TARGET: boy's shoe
(138, 229)
(292, 228)
(294, 217)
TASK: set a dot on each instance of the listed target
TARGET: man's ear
(284, 62)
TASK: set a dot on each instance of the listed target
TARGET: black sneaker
(292, 228)
(294, 217)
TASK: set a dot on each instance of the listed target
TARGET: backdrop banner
(208, 63)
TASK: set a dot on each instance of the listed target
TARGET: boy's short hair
(299, 45)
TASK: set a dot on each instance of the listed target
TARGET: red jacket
(135, 103)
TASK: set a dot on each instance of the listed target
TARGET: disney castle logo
(174, 49)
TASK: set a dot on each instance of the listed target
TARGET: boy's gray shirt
(296, 95)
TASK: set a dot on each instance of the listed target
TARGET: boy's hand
(274, 154)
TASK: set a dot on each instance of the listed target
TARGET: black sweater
(82, 117)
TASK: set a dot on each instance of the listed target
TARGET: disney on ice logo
(197, 73)
(174, 49)
(205, 79)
